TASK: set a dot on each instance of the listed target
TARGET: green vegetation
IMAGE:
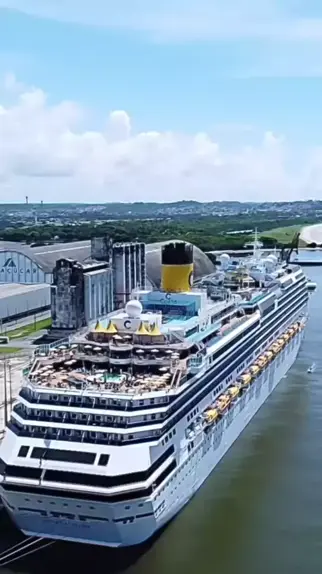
(27, 330)
(282, 235)
(207, 232)
(9, 350)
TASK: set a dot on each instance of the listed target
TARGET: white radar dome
(273, 258)
(269, 263)
(224, 260)
(133, 308)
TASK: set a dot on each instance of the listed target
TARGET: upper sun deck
(134, 351)
(86, 370)
(151, 346)
(77, 370)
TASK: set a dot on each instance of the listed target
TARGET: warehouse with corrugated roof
(21, 263)
(23, 303)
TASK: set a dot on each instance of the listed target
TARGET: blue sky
(182, 67)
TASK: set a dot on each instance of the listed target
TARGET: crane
(286, 252)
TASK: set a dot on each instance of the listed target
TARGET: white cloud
(185, 19)
(47, 154)
(282, 38)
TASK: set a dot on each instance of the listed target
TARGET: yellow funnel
(177, 267)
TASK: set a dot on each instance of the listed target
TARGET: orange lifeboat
(246, 380)
(222, 403)
(234, 392)
(211, 415)
(254, 370)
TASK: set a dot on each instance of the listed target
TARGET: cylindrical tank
(177, 267)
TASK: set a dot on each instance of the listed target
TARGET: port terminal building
(88, 279)
(21, 263)
(23, 304)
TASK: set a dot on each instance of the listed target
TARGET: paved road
(23, 322)
(28, 343)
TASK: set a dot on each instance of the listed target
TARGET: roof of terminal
(47, 255)
(10, 289)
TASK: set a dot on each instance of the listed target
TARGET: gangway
(24, 548)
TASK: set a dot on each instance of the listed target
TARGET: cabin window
(103, 459)
(79, 457)
(23, 451)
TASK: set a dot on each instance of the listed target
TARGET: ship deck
(77, 369)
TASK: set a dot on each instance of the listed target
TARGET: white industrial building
(23, 302)
(81, 292)
(129, 270)
(87, 278)
(24, 264)
(21, 263)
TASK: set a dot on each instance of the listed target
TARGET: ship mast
(256, 250)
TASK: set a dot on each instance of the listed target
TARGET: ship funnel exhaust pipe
(177, 267)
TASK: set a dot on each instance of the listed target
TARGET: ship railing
(95, 391)
(90, 422)
(45, 349)
(110, 439)
(195, 363)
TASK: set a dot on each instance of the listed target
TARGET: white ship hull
(153, 513)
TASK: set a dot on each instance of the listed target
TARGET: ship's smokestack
(177, 267)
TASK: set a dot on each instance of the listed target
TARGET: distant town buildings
(23, 215)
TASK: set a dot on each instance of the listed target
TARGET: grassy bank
(283, 234)
(9, 350)
(27, 330)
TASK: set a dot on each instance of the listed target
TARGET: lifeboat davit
(260, 365)
(234, 392)
(211, 415)
(222, 403)
(254, 369)
(245, 380)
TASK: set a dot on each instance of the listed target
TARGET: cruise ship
(114, 432)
